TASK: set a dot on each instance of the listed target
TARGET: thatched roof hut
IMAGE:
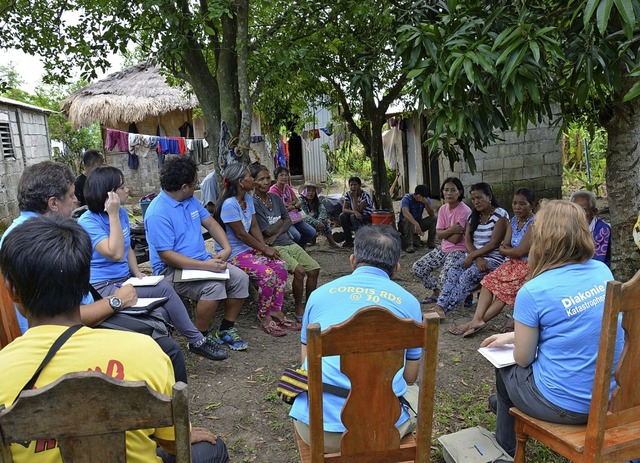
(137, 93)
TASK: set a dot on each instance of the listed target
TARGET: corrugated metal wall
(314, 159)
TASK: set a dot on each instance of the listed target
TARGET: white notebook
(195, 275)
(499, 356)
(144, 281)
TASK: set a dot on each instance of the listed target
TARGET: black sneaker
(209, 350)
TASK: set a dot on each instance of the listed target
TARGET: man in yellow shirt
(45, 263)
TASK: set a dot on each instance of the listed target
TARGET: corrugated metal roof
(25, 105)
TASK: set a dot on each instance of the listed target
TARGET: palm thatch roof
(127, 96)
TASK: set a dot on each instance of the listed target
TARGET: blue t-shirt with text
(566, 304)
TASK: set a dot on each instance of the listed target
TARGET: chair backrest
(9, 328)
(371, 347)
(88, 414)
(624, 406)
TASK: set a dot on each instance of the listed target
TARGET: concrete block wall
(30, 138)
(146, 179)
(532, 160)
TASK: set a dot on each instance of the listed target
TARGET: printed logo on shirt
(368, 294)
(195, 215)
(583, 300)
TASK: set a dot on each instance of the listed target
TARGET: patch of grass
(272, 396)
(236, 445)
(266, 378)
(454, 412)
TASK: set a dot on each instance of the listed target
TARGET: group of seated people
(556, 336)
(482, 247)
(61, 276)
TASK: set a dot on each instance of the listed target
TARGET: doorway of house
(295, 154)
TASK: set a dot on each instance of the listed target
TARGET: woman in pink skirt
(499, 288)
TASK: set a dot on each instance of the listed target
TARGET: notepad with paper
(144, 305)
(144, 281)
(184, 275)
(499, 356)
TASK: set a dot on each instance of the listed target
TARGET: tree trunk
(227, 74)
(205, 87)
(246, 103)
(374, 117)
(623, 187)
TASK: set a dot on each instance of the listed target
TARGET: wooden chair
(9, 328)
(88, 414)
(612, 433)
(371, 346)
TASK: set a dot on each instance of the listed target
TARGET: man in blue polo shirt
(173, 224)
(46, 188)
(375, 259)
(411, 224)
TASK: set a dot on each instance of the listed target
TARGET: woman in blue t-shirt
(558, 317)
(486, 229)
(113, 260)
(236, 213)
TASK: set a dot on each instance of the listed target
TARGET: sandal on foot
(458, 330)
(288, 324)
(440, 313)
(429, 300)
(473, 330)
(272, 329)
(411, 250)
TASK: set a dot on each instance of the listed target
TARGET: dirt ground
(236, 398)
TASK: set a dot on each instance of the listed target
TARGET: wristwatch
(115, 303)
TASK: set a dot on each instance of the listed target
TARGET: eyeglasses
(195, 185)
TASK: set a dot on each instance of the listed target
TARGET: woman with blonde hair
(558, 317)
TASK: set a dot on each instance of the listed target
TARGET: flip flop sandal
(272, 329)
(471, 331)
(457, 330)
(288, 324)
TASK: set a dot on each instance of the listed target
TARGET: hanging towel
(117, 138)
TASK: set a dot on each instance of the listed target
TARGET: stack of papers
(195, 275)
(499, 356)
(144, 281)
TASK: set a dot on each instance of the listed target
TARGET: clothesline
(136, 144)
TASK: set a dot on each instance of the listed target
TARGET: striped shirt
(482, 235)
(364, 196)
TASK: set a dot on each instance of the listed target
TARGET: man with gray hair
(600, 229)
(375, 259)
(47, 189)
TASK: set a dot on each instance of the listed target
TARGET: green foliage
(574, 159)
(348, 160)
(481, 68)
